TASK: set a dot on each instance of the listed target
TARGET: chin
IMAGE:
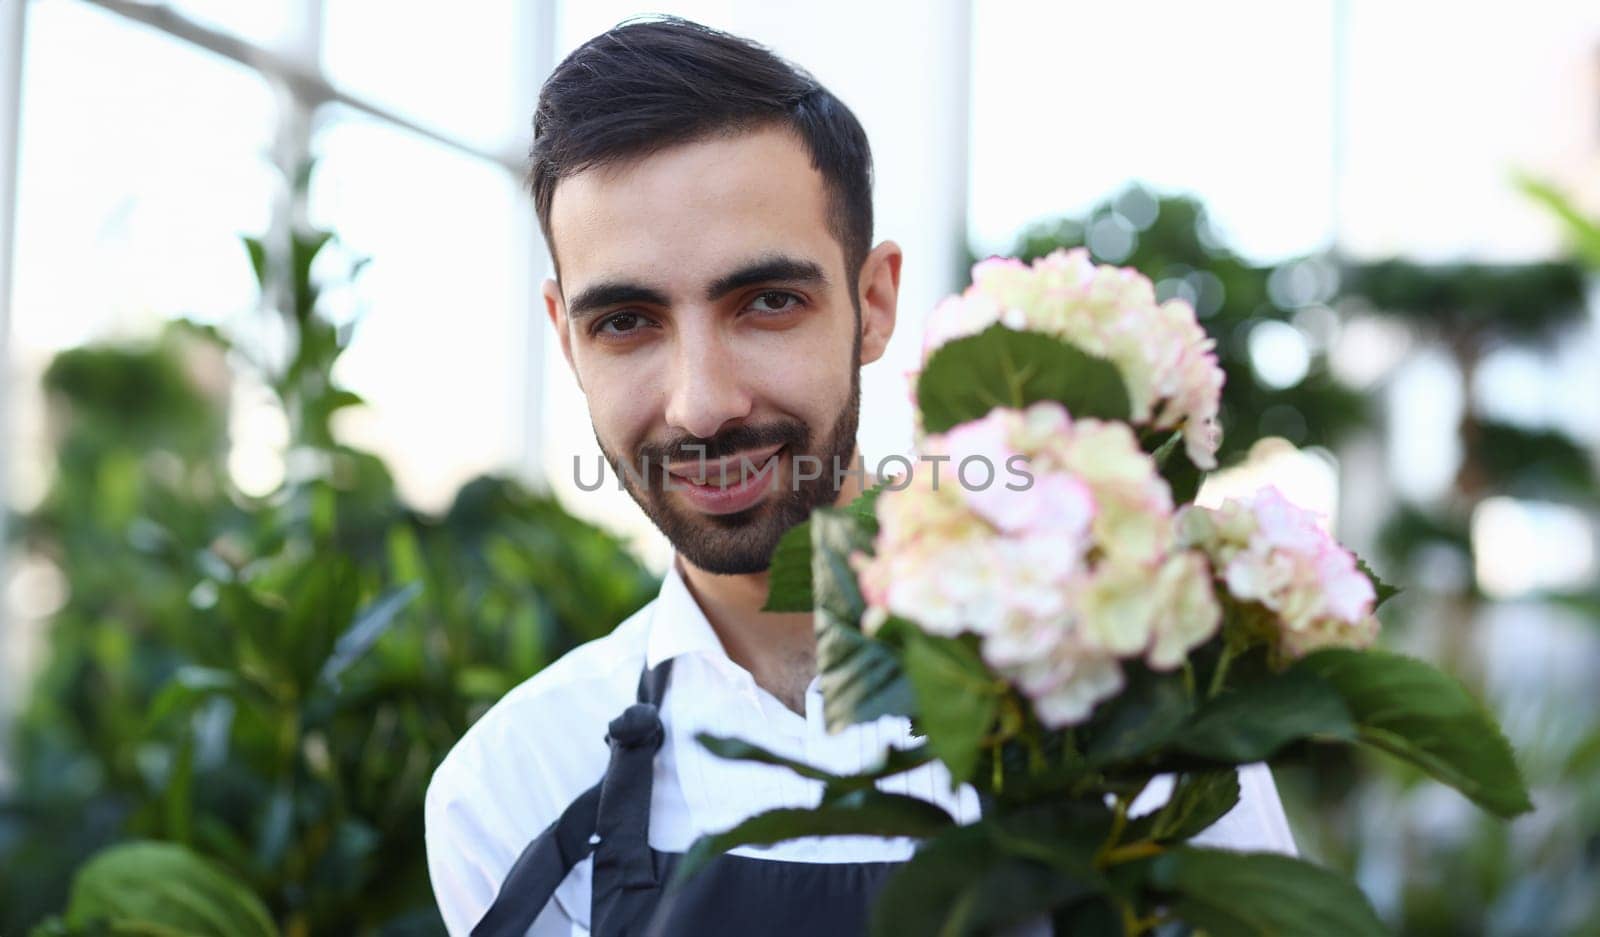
(727, 544)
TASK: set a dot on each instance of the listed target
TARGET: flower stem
(1218, 675)
(1128, 853)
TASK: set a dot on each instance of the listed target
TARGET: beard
(742, 542)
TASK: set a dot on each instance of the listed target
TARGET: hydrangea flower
(1269, 551)
(1064, 562)
(1167, 361)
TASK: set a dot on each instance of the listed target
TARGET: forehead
(685, 214)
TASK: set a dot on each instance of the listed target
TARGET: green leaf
(864, 508)
(963, 882)
(1093, 916)
(1582, 232)
(1182, 476)
(53, 927)
(190, 686)
(957, 699)
(1385, 591)
(1143, 717)
(999, 367)
(177, 800)
(1062, 833)
(1199, 799)
(920, 896)
(864, 812)
(1233, 894)
(304, 246)
(165, 888)
(365, 631)
(789, 574)
(483, 683)
(895, 761)
(258, 258)
(861, 677)
(1250, 722)
(1423, 716)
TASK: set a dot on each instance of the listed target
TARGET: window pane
(263, 23)
(1072, 101)
(438, 352)
(461, 73)
(142, 160)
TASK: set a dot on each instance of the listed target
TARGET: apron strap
(626, 886)
(607, 806)
(541, 868)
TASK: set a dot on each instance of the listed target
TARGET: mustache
(729, 442)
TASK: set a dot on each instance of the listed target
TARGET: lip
(743, 493)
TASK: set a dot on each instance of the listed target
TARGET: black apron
(733, 895)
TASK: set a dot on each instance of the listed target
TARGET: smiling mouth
(734, 471)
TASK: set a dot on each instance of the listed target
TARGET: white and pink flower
(1167, 361)
(1269, 551)
(1063, 575)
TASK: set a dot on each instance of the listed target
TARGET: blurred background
(287, 458)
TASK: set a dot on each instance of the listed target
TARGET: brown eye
(775, 301)
(620, 324)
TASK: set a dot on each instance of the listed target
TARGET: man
(708, 210)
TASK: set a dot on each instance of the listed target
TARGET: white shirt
(543, 744)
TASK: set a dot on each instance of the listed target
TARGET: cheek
(624, 404)
(809, 379)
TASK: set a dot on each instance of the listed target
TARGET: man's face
(705, 308)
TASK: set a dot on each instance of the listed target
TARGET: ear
(556, 309)
(879, 287)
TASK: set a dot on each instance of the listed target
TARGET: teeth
(729, 475)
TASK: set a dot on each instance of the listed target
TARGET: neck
(779, 649)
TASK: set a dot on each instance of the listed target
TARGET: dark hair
(648, 84)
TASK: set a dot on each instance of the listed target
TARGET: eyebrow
(769, 269)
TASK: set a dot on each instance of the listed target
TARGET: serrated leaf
(861, 677)
(1384, 590)
(1427, 718)
(864, 812)
(1250, 722)
(999, 367)
(1199, 799)
(895, 761)
(1149, 711)
(1063, 833)
(957, 699)
(1235, 894)
(789, 574)
(962, 884)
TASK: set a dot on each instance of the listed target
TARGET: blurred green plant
(1461, 876)
(1583, 232)
(255, 690)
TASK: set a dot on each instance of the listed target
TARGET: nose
(708, 390)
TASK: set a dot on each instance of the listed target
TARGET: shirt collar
(678, 625)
